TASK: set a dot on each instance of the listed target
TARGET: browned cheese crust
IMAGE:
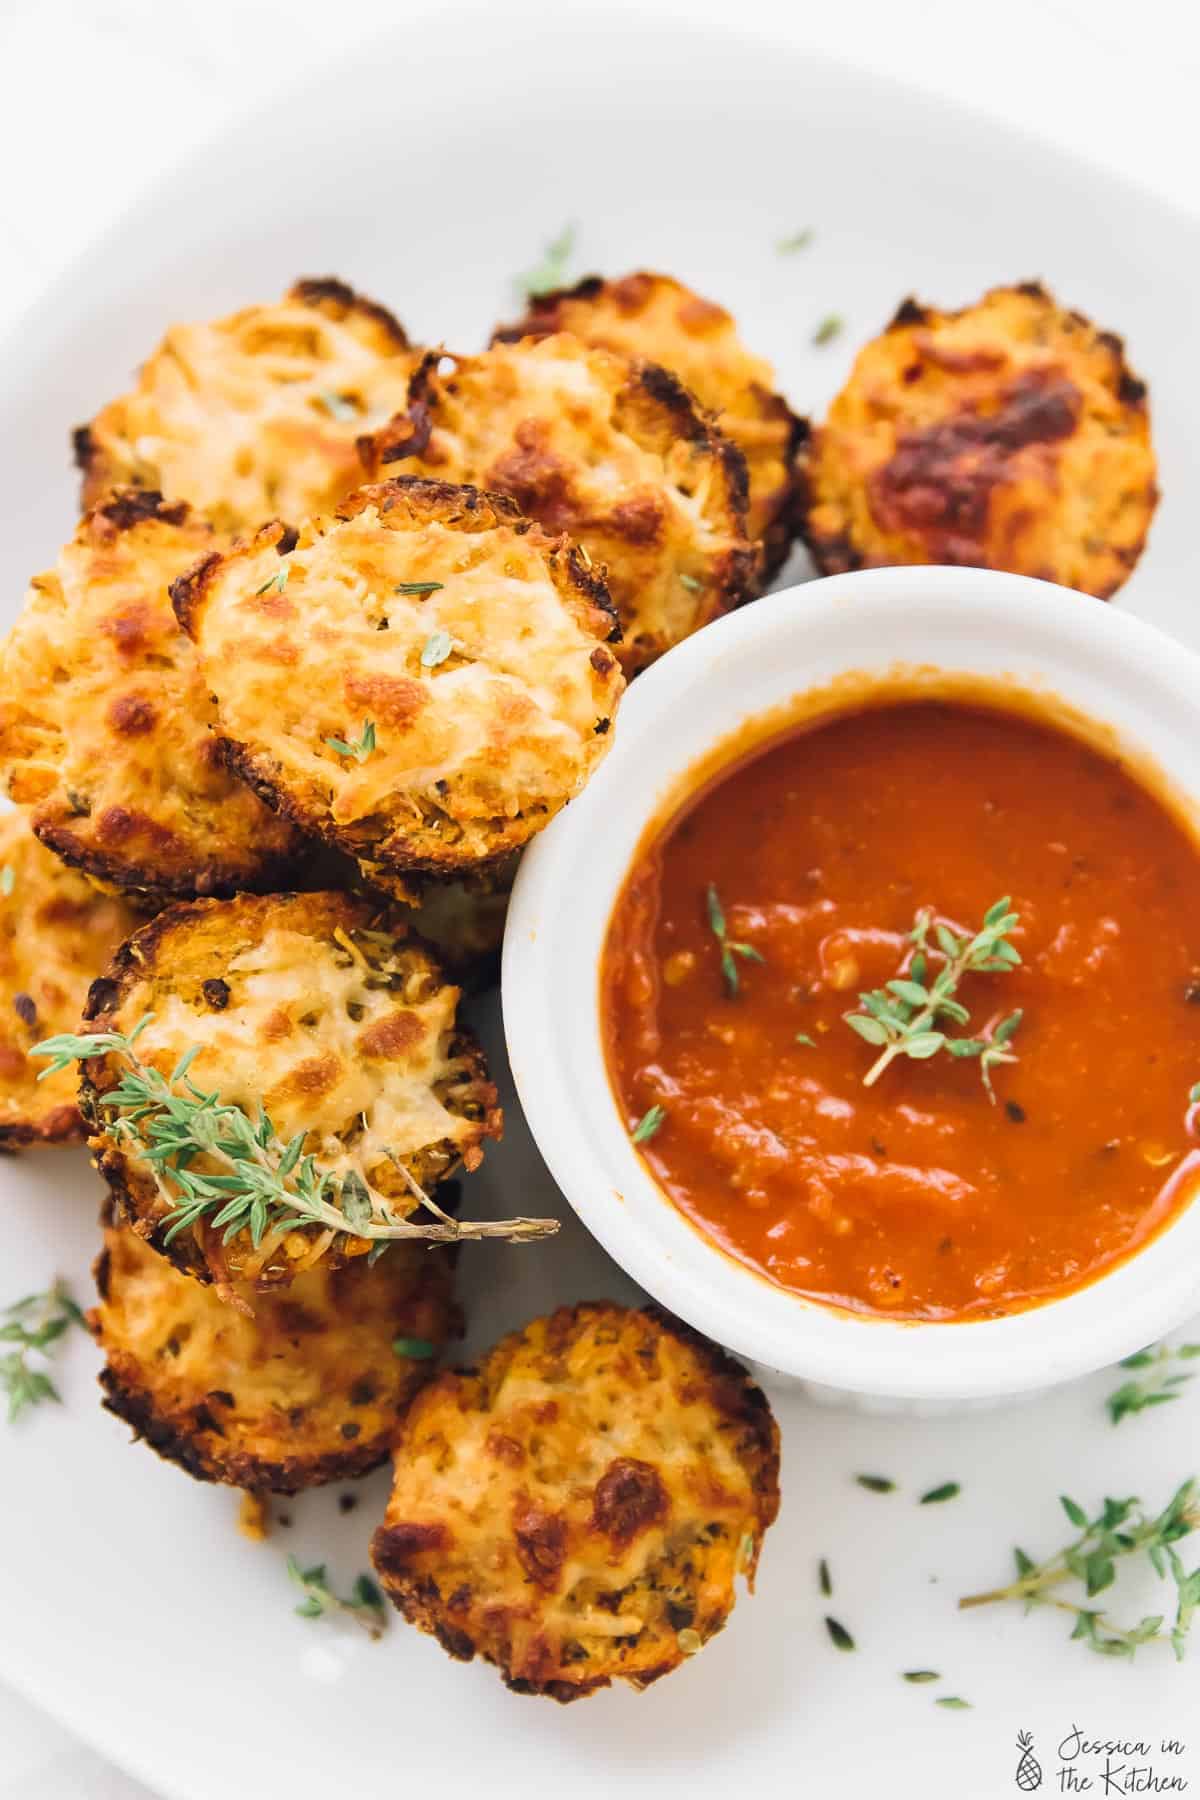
(106, 723)
(254, 417)
(56, 933)
(576, 1509)
(658, 319)
(471, 645)
(613, 452)
(319, 1009)
(1010, 435)
(278, 1391)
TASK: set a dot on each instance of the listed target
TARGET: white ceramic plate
(427, 172)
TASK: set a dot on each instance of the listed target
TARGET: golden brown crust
(575, 1510)
(106, 723)
(322, 1010)
(612, 451)
(279, 1391)
(254, 416)
(489, 691)
(1008, 435)
(56, 933)
(658, 319)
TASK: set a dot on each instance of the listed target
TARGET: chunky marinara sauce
(918, 1197)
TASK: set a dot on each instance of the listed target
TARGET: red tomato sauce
(918, 1197)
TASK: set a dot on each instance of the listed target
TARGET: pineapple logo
(1029, 1770)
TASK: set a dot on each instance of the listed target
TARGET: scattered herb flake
(364, 1604)
(829, 328)
(839, 1635)
(1161, 1381)
(802, 1037)
(730, 950)
(7, 880)
(419, 589)
(551, 272)
(824, 1579)
(921, 1675)
(952, 1703)
(949, 1490)
(360, 747)
(33, 1324)
(798, 240)
(649, 1125)
(416, 1349)
(876, 1484)
(278, 582)
(692, 584)
(437, 648)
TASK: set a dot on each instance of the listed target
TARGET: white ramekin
(1125, 676)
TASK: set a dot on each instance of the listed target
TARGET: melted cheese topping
(586, 1496)
(56, 933)
(659, 319)
(1009, 435)
(105, 720)
(254, 416)
(335, 1027)
(292, 1387)
(488, 690)
(584, 444)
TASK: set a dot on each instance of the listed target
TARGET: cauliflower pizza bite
(591, 443)
(659, 319)
(56, 932)
(105, 720)
(1010, 435)
(575, 1510)
(254, 417)
(278, 1391)
(423, 680)
(319, 1010)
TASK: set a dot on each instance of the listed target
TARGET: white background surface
(98, 100)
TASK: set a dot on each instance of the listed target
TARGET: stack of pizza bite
(343, 625)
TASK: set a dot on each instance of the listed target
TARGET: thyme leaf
(551, 271)
(360, 747)
(905, 1017)
(649, 1125)
(34, 1325)
(1119, 1530)
(364, 1603)
(216, 1166)
(1159, 1381)
(730, 950)
(829, 328)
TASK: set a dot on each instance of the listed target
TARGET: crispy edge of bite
(774, 513)
(834, 548)
(666, 413)
(393, 861)
(200, 1252)
(204, 1436)
(266, 852)
(732, 1393)
(100, 470)
(39, 881)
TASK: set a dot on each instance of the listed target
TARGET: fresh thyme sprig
(365, 1604)
(360, 747)
(904, 1016)
(729, 949)
(33, 1325)
(551, 272)
(1159, 1382)
(1118, 1530)
(213, 1164)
